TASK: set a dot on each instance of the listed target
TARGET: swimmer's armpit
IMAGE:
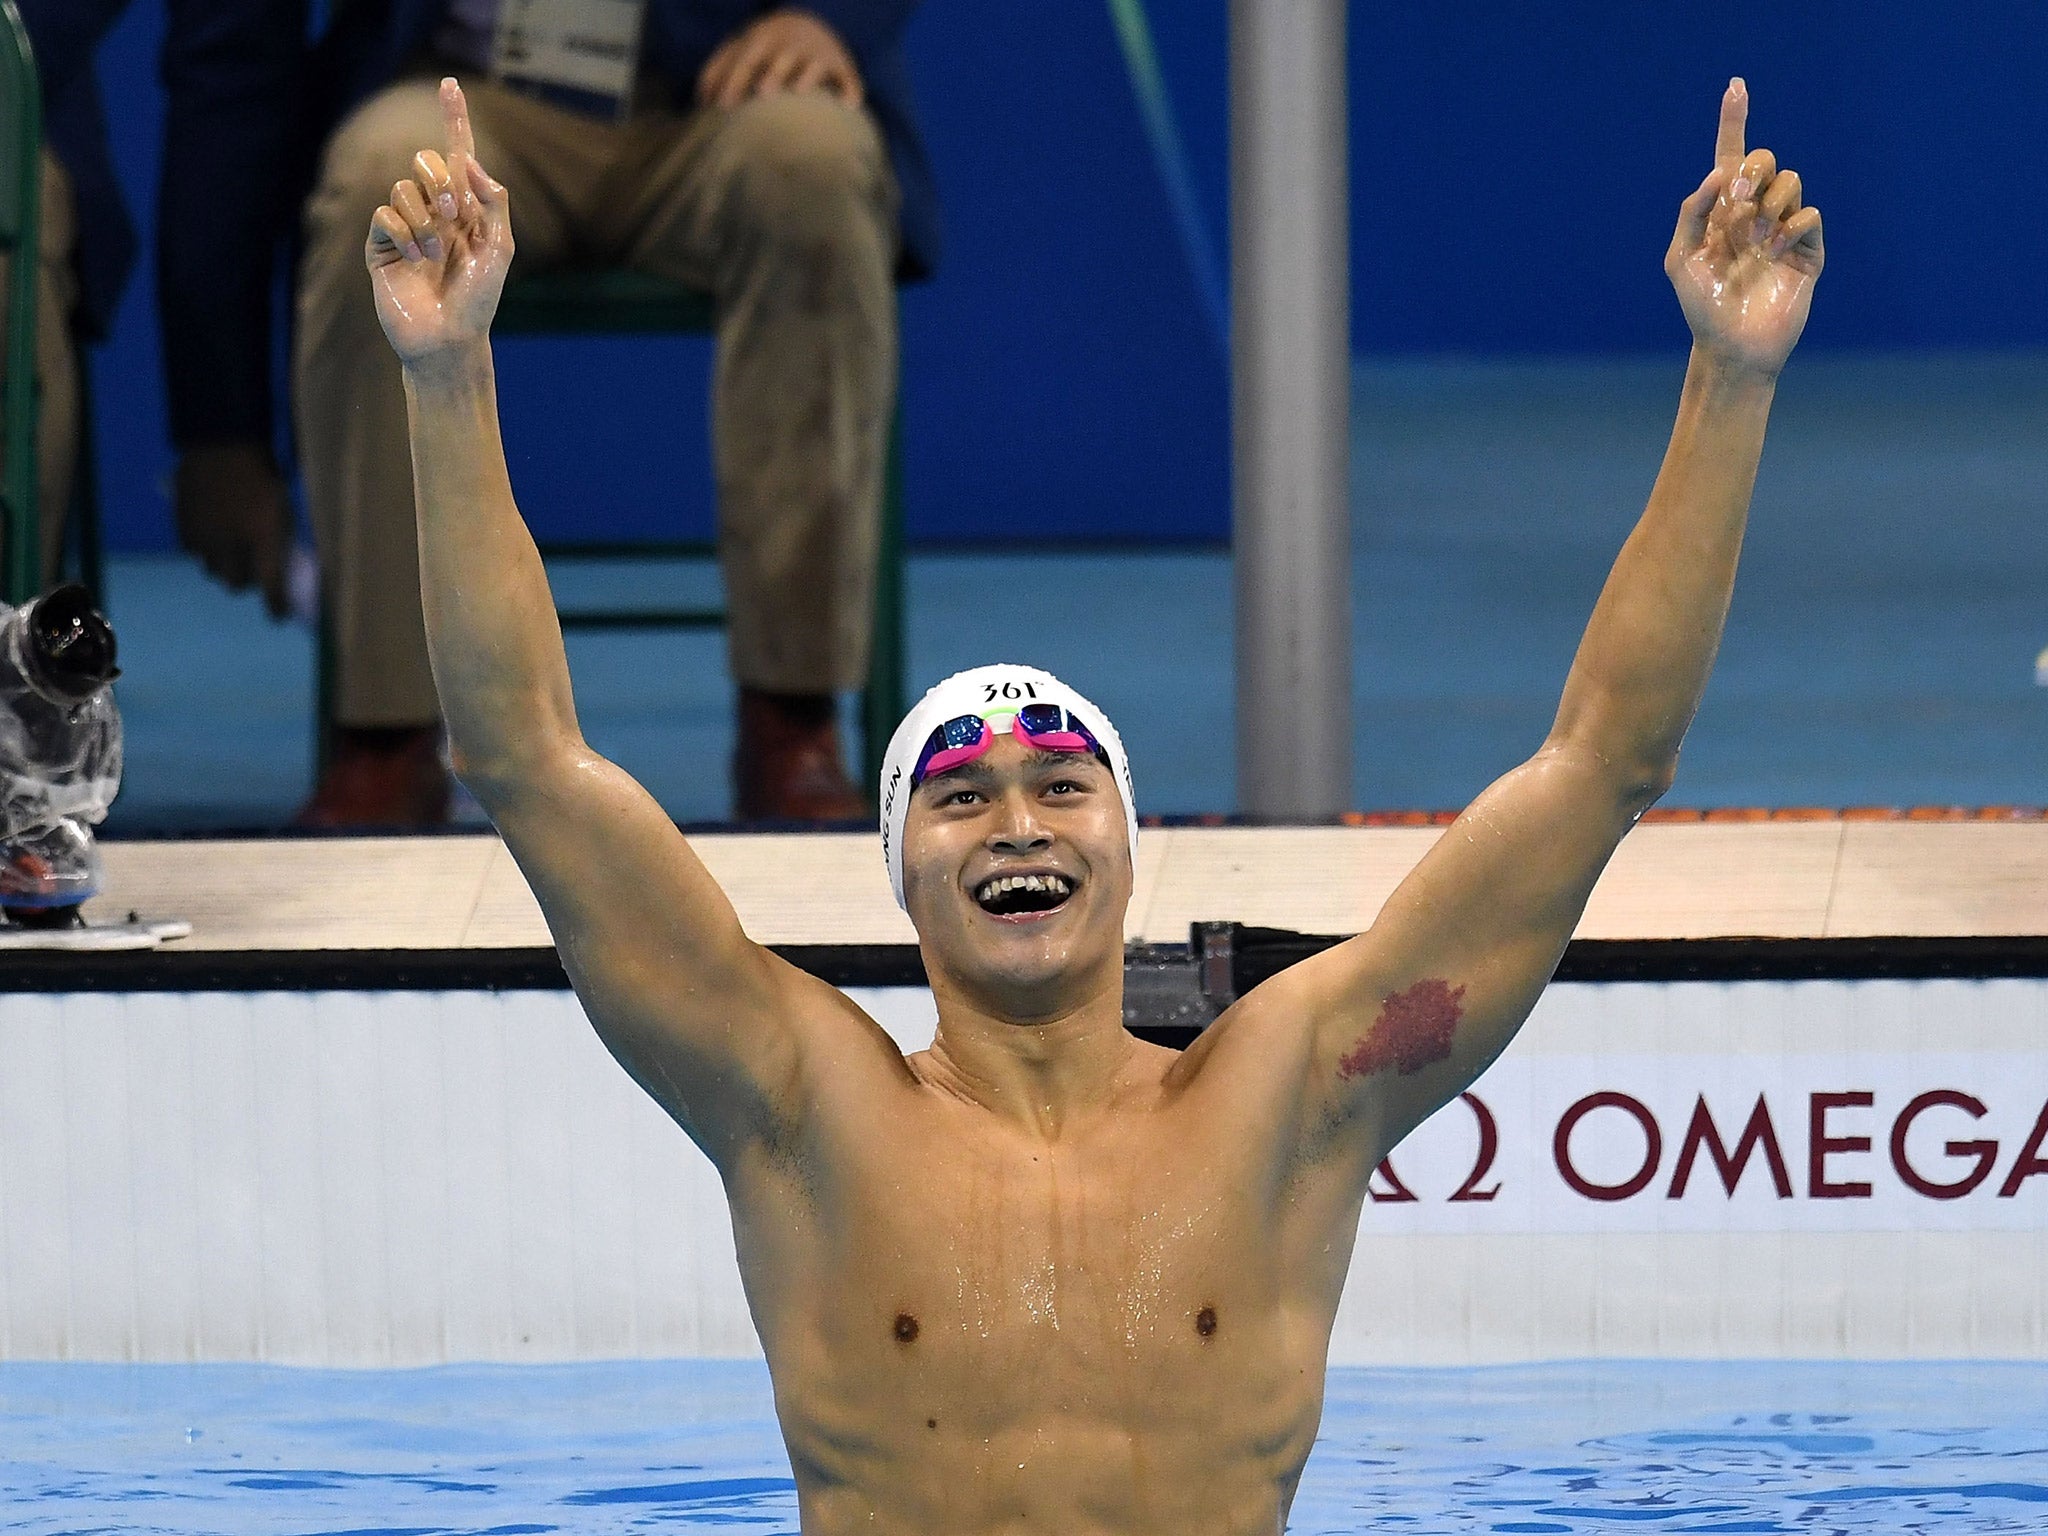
(1415, 1029)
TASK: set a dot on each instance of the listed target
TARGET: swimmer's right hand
(439, 250)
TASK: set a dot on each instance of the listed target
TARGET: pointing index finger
(1729, 144)
(455, 114)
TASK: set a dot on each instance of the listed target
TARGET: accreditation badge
(586, 50)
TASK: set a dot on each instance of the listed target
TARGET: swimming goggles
(1048, 727)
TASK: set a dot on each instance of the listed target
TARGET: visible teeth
(1056, 885)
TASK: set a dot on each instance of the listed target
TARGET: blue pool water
(1724, 1447)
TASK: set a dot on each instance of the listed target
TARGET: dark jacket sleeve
(234, 77)
(65, 34)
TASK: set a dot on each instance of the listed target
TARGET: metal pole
(1291, 405)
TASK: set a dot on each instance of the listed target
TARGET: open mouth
(1023, 896)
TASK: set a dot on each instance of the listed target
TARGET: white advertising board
(1848, 1169)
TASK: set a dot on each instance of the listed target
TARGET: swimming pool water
(1808, 1448)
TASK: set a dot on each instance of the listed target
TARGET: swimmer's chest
(1073, 1276)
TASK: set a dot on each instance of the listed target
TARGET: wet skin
(975, 1328)
(1043, 1277)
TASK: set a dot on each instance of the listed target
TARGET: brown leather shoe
(381, 776)
(787, 765)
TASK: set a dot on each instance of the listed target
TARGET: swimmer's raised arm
(705, 1019)
(1409, 1013)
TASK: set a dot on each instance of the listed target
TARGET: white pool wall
(384, 1179)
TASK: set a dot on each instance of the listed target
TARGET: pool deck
(1827, 879)
(1880, 649)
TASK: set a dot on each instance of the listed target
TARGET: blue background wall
(1515, 170)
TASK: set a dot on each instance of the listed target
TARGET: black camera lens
(70, 652)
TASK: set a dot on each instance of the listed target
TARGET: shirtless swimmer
(1043, 1277)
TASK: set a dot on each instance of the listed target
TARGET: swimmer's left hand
(1746, 253)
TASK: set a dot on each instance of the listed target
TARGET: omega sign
(1758, 1138)
(1880, 1140)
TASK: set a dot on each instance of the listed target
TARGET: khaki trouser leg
(785, 208)
(349, 392)
(57, 422)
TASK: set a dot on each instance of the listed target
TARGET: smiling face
(1017, 872)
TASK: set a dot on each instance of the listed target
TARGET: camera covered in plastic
(60, 753)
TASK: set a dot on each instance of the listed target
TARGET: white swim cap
(984, 691)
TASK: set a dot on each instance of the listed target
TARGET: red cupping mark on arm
(1413, 1030)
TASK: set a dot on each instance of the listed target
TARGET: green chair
(618, 302)
(21, 149)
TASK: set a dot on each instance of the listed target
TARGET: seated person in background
(766, 159)
(224, 124)
(78, 284)
(1043, 1277)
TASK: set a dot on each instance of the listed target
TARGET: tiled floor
(1881, 647)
